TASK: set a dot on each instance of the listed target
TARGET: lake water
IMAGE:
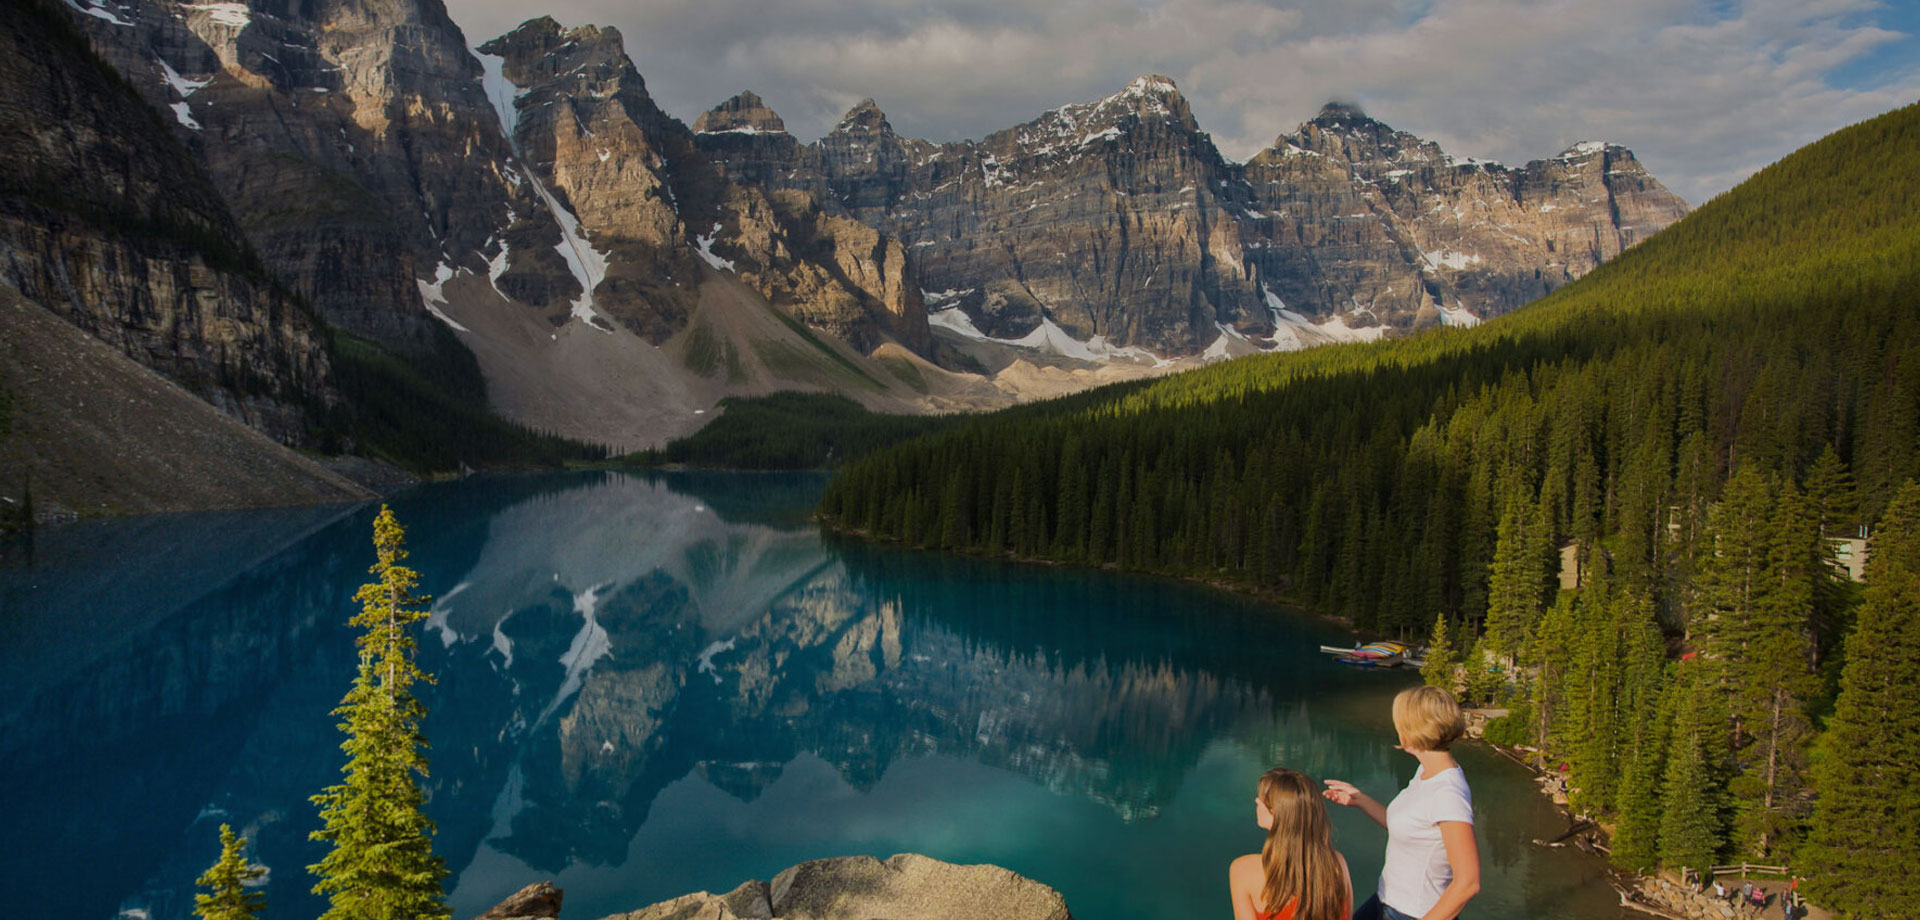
(650, 685)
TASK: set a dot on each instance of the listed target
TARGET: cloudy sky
(1705, 91)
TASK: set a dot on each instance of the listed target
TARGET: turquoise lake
(651, 685)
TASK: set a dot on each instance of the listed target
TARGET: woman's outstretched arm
(1341, 792)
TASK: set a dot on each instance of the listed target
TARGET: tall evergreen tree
(1552, 664)
(1753, 614)
(226, 881)
(1646, 709)
(1836, 511)
(1442, 657)
(382, 866)
(1866, 825)
(1732, 576)
(1693, 791)
(1517, 574)
(1830, 494)
(1596, 749)
(1776, 680)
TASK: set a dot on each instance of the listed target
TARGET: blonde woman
(1433, 864)
(1297, 875)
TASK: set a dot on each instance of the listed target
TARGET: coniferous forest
(1687, 433)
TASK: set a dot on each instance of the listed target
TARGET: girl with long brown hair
(1297, 875)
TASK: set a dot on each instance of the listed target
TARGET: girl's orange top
(1286, 911)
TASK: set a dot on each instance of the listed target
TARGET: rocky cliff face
(1350, 216)
(352, 140)
(400, 180)
(656, 209)
(108, 221)
(531, 189)
(1119, 221)
(596, 150)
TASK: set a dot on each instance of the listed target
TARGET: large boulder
(538, 901)
(905, 887)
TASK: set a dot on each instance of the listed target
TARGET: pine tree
(1836, 511)
(1552, 660)
(382, 866)
(1516, 575)
(1775, 680)
(227, 897)
(1442, 658)
(1866, 824)
(1830, 493)
(1636, 835)
(1596, 750)
(1646, 717)
(1693, 794)
(1753, 613)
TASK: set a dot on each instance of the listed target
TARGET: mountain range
(328, 170)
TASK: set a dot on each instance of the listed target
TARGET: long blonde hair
(1299, 858)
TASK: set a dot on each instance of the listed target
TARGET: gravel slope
(100, 434)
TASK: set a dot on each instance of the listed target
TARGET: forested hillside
(1694, 419)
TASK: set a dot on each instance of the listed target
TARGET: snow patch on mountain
(433, 295)
(1294, 331)
(1458, 316)
(1046, 338)
(185, 87)
(498, 266)
(501, 92)
(98, 10)
(1447, 258)
(234, 15)
(704, 246)
(741, 129)
(588, 265)
(957, 320)
(180, 84)
(1230, 344)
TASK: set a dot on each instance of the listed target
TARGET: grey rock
(905, 887)
(538, 901)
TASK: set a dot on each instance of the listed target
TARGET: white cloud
(1705, 91)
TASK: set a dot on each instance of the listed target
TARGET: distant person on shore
(1433, 863)
(1297, 875)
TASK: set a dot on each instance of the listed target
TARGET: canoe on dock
(1372, 655)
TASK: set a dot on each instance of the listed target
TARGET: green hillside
(1774, 322)
(1748, 378)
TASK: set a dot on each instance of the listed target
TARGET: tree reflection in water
(649, 685)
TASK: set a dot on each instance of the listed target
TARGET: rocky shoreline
(1656, 895)
(907, 886)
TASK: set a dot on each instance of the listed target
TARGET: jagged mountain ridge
(529, 192)
(401, 180)
(1119, 218)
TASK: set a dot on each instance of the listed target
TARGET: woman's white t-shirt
(1417, 870)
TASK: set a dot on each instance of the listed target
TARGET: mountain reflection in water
(652, 685)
